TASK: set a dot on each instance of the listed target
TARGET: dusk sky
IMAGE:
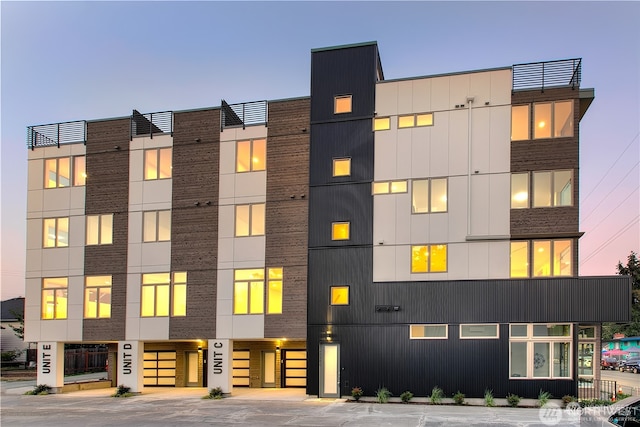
(64, 61)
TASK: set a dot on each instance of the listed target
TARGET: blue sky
(64, 61)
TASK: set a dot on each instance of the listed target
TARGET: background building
(400, 233)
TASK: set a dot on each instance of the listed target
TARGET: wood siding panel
(194, 229)
(287, 212)
(107, 192)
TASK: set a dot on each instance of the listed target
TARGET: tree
(631, 329)
(19, 329)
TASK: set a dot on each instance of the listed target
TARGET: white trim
(497, 335)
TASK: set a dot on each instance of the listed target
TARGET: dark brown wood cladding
(107, 192)
(194, 228)
(286, 220)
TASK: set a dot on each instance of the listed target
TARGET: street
(629, 382)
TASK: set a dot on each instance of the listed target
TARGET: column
(130, 365)
(51, 365)
(220, 365)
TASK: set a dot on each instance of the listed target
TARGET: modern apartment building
(400, 233)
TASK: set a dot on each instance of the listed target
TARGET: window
(274, 294)
(553, 119)
(429, 259)
(548, 258)
(552, 188)
(386, 187)
(250, 220)
(519, 190)
(251, 155)
(340, 231)
(519, 122)
(428, 332)
(342, 104)
(479, 331)
(97, 297)
(55, 233)
(248, 293)
(157, 226)
(54, 298)
(540, 351)
(342, 167)
(429, 195)
(160, 294)
(100, 229)
(381, 123)
(413, 120)
(157, 163)
(79, 171)
(57, 172)
(339, 295)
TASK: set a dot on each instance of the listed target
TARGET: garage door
(241, 368)
(295, 368)
(160, 368)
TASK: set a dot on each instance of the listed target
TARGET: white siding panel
(405, 97)
(457, 208)
(250, 249)
(74, 330)
(460, 89)
(132, 327)
(34, 203)
(403, 155)
(480, 199)
(386, 99)
(76, 260)
(53, 330)
(56, 201)
(136, 162)
(34, 233)
(458, 140)
(248, 326)
(224, 326)
(251, 184)
(154, 328)
(33, 265)
(384, 219)
(35, 173)
(55, 262)
(500, 142)
(422, 96)
(499, 253)
(226, 221)
(384, 263)
(439, 228)
(458, 261)
(501, 87)
(480, 87)
(157, 191)
(420, 153)
(227, 156)
(225, 250)
(385, 155)
(478, 260)
(156, 255)
(403, 263)
(440, 94)
(499, 204)
(134, 258)
(403, 217)
(419, 230)
(480, 135)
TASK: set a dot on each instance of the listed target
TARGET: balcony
(544, 75)
(55, 134)
(242, 115)
(151, 123)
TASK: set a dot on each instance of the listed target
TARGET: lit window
(248, 291)
(381, 123)
(54, 298)
(342, 104)
(481, 331)
(519, 190)
(380, 187)
(339, 295)
(55, 233)
(57, 172)
(519, 259)
(342, 167)
(413, 120)
(157, 226)
(160, 293)
(424, 119)
(274, 293)
(157, 163)
(429, 259)
(250, 220)
(429, 195)
(428, 332)
(97, 297)
(340, 231)
(547, 258)
(251, 155)
(79, 171)
(519, 122)
(406, 121)
(386, 187)
(99, 229)
(540, 351)
(552, 188)
(553, 119)
(179, 294)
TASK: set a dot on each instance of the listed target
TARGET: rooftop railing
(151, 123)
(542, 75)
(244, 114)
(55, 134)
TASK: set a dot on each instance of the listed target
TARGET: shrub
(436, 395)
(356, 393)
(488, 398)
(594, 402)
(383, 395)
(543, 398)
(215, 393)
(122, 391)
(458, 398)
(10, 356)
(620, 396)
(406, 396)
(39, 390)
(566, 399)
(513, 399)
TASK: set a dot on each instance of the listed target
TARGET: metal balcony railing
(151, 123)
(245, 114)
(542, 75)
(56, 134)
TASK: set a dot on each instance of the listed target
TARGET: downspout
(469, 101)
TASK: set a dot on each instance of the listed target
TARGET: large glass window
(342, 167)
(97, 297)
(387, 187)
(79, 171)
(340, 231)
(248, 291)
(161, 295)
(519, 190)
(426, 332)
(519, 122)
(339, 295)
(157, 163)
(546, 257)
(55, 233)
(413, 120)
(54, 298)
(428, 258)
(553, 119)
(57, 172)
(429, 195)
(250, 220)
(157, 226)
(520, 259)
(251, 155)
(99, 229)
(540, 351)
(342, 104)
(274, 294)
(552, 188)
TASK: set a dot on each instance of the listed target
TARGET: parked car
(609, 363)
(625, 413)
(631, 364)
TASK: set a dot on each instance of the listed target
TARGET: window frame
(54, 290)
(79, 174)
(434, 325)
(428, 247)
(158, 165)
(429, 195)
(56, 227)
(58, 184)
(268, 296)
(170, 307)
(384, 121)
(250, 223)
(530, 339)
(252, 150)
(553, 118)
(390, 187)
(99, 229)
(338, 160)
(415, 120)
(528, 122)
(336, 103)
(531, 257)
(98, 288)
(338, 288)
(156, 214)
(553, 203)
(335, 224)
(487, 337)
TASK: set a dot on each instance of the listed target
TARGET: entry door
(329, 370)
(192, 368)
(268, 369)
